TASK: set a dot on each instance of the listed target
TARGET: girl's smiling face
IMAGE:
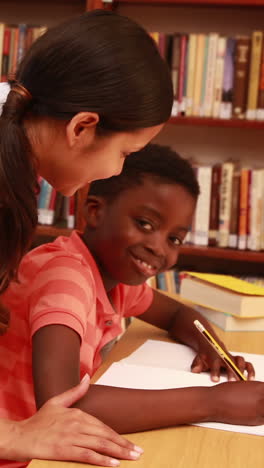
(139, 233)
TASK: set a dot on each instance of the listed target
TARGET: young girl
(88, 93)
(74, 292)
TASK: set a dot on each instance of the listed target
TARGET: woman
(88, 93)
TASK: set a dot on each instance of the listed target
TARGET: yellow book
(254, 71)
(223, 293)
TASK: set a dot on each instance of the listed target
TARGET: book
(256, 211)
(201, 220)
(158, 365)
(190, 73)
(214, 205)
(243, 208)
(241, 73)
(175, 65)
(233, 230)
(260, 107)
(219, 76)
(210, 75)
(223, 293)
(228, 80)
(255, 61)
(230, 322)
(200, 51)
(225, 204)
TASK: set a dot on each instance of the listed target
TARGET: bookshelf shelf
(210, 122)
(52, 231)
(223, 254)
(194, 2)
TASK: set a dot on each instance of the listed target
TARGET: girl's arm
(56, 350)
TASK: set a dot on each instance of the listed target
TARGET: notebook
(145, 369)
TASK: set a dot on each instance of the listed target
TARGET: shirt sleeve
(137, 299)
(63, 293)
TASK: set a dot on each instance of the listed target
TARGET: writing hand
(237, 403)
(209, 360)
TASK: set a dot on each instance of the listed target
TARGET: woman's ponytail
(18, 182)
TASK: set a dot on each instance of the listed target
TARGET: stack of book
(228, 302)
(215, 76)
(230, 208)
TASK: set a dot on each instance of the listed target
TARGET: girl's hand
(208, 360)
(56, 432)
(237, 403)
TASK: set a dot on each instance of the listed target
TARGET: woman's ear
(94, 210)
(80, 131)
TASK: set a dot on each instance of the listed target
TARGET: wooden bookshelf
(192, 2)
(210, 122)
(226, 254)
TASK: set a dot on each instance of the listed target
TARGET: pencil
(212, 341)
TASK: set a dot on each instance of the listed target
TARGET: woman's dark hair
(160, 163)
(99, 62)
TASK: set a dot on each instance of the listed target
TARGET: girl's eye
(144, 224)
(176, 240)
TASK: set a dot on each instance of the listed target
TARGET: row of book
(231, 303)
(215, 76)
(230, 208)
(54, 208)
(15, 40)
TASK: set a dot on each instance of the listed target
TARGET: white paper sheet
(145, 369)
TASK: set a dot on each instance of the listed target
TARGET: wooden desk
(187, 446)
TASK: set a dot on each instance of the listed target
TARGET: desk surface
(187, 446)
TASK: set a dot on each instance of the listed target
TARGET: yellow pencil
(211, 340)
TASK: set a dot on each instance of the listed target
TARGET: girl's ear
(94, 210)
(80, 131)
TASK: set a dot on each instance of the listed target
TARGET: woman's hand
(56, 432)
(208, 360)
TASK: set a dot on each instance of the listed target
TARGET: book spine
(198, 74)
(71, 214)
(241, 76)
(243, 209)
(214, 205)
(262, 211)
(256, 209)
(233, 235)
(2, 32)
(210, 74)
(219, 75)
(175, 64)
(228, 80)
(225, 204)
(15, 50)
(257, 40)
(260, 109)
(22, 28)
(182, 69)
(6, 52)
(203, 90)
(190, 73)
(51, 207)
(201, 227)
